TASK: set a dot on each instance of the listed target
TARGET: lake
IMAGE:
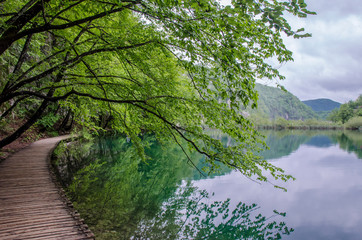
(122, 197)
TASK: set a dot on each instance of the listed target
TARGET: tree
(162, 66)
(347, 111)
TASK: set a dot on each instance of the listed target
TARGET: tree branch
(184, 151)
(12, 107)
(7, 14)
(73, 92)
(12, 34)
(22, 54)
(106, 76)
(64, 10)
(20, 61)
(175, 128)
(17, 22)
(65, 63)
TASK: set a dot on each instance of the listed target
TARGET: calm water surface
(122, 197)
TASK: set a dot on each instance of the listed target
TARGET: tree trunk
(65, 121)
(9, 139)
(17, 23)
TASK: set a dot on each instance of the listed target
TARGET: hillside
(274, 103)
(322, 104)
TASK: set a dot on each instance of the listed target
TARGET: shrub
(354, 123)
(48, 121)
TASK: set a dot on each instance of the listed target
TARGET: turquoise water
(122, 197)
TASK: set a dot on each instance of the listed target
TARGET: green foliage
(114, 189)
(347, 111)
(323, 115)
(172, 68)
(4, 126)
(283, 143)
(333, 115)
(281, 123)
(354, 123)
(274, 103)
(122, 197)
(48, 121)
(350, 141)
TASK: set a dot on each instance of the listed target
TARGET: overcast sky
(329, 64)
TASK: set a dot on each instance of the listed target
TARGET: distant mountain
(274, 103)
(322, 104)
(322, 107)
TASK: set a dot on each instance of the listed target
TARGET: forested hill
(274, 103)
(322, 104)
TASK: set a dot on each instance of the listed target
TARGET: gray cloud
(335, 7)
(328, 65)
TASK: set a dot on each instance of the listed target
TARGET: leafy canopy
(169, 67)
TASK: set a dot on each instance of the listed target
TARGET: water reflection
(351, 142)
(123, 197)
(189, 215)
(284, 143)
(325, 200)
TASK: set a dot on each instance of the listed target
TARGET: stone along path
(31, 206)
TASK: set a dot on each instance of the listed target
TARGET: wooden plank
(22, 191)
(33, 225)
(30, 204)
(19, 207)
(64, 236)
(24, 196)
(40, 214)
(22, 210)
(36, 221)
(28, 199)
(42, 232)
(27, 179)
(25, 185)
(51, 225)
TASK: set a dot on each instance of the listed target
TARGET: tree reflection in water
(188, 216)
(122, 197)
(283, 143)
(351, 141)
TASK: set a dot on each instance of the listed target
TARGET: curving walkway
(31, 206)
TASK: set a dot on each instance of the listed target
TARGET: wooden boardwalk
(31, 206)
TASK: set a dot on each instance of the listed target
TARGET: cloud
(328, 65)
(333, 8)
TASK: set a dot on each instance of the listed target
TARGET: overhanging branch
(74, 92)
(70, 61)
(12, 34)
